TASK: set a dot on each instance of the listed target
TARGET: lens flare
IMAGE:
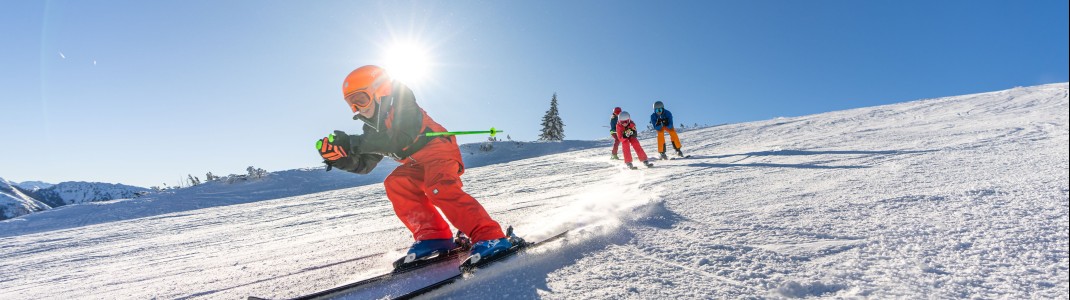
(407, 62)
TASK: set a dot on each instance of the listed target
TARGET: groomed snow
(957, 197)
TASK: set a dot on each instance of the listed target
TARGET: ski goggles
(358, 99)
(659, 110)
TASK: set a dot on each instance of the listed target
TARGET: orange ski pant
(431, 178)
(672, 135)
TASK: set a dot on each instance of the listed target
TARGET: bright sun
(407, 62)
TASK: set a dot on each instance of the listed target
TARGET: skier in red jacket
(430, 170)
(628, 139)
(613, 132)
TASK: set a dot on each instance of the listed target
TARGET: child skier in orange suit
(428, 179)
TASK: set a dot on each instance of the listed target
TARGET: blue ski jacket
(661, 121)
(613, 124)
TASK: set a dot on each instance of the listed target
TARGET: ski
(521, 247)
(673, 157)
(400, 269)
(647, 164)
(419, 277)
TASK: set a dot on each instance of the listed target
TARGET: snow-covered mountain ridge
(955, 197)
(30, 197)
(16, 201)
(33, 185)
(76, 192)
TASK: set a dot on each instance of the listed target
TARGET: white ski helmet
(623, 116)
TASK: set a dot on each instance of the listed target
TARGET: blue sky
(145, 92)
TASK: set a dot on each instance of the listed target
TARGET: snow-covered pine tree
(552, 127)
(255, 173)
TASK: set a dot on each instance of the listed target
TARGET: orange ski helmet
(364, 85)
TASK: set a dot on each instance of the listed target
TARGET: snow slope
(956, 197)
(218, 193)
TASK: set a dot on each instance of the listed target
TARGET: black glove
(329, 151)
(629, 133)
(354, 161)
(340, 149)
(349, 142)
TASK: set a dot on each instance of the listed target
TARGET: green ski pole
(492, 132)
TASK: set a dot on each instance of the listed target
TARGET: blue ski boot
(427, 249)
(484, 252)
(489, 248)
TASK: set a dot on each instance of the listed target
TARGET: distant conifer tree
(552, 127)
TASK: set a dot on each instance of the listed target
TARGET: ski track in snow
(955, 197)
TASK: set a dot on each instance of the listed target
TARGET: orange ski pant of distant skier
(431, 178)
(672, 135)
